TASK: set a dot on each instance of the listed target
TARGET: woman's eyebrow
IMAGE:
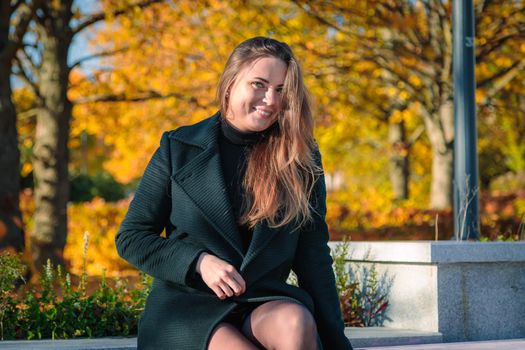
(266, 81)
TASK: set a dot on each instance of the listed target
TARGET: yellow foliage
(414, 80)
(26, 169)
(102, 221)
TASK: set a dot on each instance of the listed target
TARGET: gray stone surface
(72, 344)
(356, 335)
(382, 336)
(360, 337)
(467, 291)
(513, 344)
(482, 301)
(433, 252)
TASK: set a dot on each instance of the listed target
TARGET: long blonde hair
(280, 170)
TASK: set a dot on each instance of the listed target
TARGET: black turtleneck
(234, 146)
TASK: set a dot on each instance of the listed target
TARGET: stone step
(384, 336)
(507, 344)
(71, 344)
(360, 338)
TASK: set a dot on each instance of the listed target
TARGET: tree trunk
(399, 163)
(50, 150)
(11, 233)
(440, 130)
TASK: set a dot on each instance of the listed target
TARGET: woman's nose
(270, 97)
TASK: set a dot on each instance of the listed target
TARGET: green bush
(57, 310)
(85, 187)
(363, 294)
(41, 314)
(11, 270)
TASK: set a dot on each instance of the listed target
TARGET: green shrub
(11, 270)
(362, 292)
(58, 310)
(363, 295)
(84, 187)
(41, 314)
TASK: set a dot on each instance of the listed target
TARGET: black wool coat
(183, 191)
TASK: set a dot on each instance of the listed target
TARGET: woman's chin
(260, 124)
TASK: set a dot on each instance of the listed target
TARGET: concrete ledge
(436, 252)
(509, 344)
(383, 336)
(71, 344)
(360, 337)
(467, 291)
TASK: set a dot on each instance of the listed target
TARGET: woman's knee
(282, 325)
(296, 320)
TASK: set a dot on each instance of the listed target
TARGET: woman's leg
(226, 336)
(281, 325)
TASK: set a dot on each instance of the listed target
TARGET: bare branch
(27, 114)
(416, 134)
(146, 96)
(102, 16)
(35, 68)
(26, 12)
(97, 55)
(481, 6)
(22, 74)
(501, 79)
(495, 44)
(322, 20)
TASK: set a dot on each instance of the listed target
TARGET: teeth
(264, 113)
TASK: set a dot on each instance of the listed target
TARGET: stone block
(467, 291)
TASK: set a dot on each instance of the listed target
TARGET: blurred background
(88, 87)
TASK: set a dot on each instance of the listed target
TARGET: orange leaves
(101, 220)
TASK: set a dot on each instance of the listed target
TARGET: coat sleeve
(313, 267)
(138, 240)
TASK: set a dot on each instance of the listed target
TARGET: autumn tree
(47, 71)
(411, 41)
(180, 51)
(174, 51)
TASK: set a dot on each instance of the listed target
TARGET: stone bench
(467, 291)
(360, 338)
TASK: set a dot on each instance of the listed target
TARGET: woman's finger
(240, 281)
(226, 289)
(218, 292)
(233, 284)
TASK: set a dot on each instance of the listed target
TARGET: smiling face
(255, 97)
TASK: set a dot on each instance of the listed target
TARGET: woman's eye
(257, 84)
(279, 90)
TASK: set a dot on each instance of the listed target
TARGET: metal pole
(466, 201)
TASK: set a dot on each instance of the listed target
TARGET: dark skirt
(241, 312)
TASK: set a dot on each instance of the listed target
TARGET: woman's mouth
(263, 112)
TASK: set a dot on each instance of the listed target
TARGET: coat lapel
(202, 180)
(262, 235)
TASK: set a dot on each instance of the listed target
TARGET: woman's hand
(220, 276)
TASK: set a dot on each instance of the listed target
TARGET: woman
(242, 199)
